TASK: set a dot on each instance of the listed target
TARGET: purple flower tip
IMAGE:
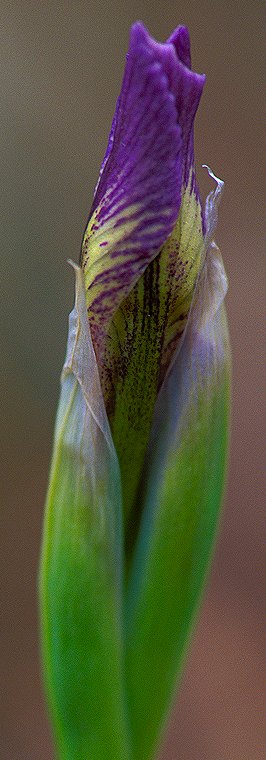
(148, 166)
(175, 57)
(181, 40)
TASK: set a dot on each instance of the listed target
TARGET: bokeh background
(61, 68)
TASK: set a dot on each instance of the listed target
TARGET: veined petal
(182, 487)
(180, 263)
(142, 340)
(81, 566)
(139, 193)
(142, 249)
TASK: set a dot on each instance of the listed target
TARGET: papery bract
(182, 491)
(82, 564)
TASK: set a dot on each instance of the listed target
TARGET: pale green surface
(162, 615)
(81, 597)
(180, 511)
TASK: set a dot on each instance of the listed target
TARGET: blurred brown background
(61, 68)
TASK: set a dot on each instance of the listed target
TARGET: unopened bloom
(141, 433)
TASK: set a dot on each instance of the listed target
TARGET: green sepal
(81, 566)
(184, 482)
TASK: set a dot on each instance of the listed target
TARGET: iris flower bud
(141, 434)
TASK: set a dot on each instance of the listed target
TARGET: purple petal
(148, 159)
(181, 41)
